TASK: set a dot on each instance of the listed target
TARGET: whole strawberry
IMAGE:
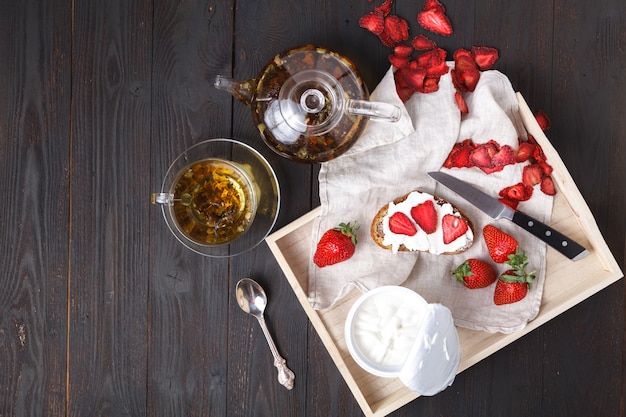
(336, 245)
(512, 286)
(499, 244)
(475, 273)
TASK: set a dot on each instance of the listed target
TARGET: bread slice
(429, 243)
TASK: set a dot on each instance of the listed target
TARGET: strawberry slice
(532, 175)
(453, 228)
(460, 102)
(402, 50)
(434, 61)
(517, 192)
(505, 156)
(524, 151)
(374, 22)
(396, 29)
(543, 120)
(484, 56)
(431, 84)
(482, 154)
(459, 156)
(547, 185)
(385, 8)
(414, 78)
(425, 215)
(400, 224)
(423, 43)
(398, 61)
(511, 203)
(403, 89)
(434, 19)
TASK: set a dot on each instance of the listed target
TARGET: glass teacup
(219, 198)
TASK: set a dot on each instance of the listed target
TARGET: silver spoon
(252, 299)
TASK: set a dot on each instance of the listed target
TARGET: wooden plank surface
(103, 312)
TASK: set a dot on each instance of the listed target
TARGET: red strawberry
(423, 43)
(460, 102)
(425, 215)
(543, 120)
(414, 78)
(374, 22)
(433, 18)
(475, 273)
(431, 84)
(517, 192)
(434, 61)
(403, 89)
(538, 155)
(524, 151)
(482, 154)
(532, 175)
(485, 56)
(453, 228)
(499, 244)
(400, 224)
(459, 156)
(508, 202)
(511, 288)
(504, 156)
(396, 28)
(465, 74)
(398, 61)
(402, 50)
(547, 185)
(336, 245)
(546, 168)
(385, 8)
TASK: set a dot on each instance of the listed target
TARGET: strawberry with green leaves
(513, 285)
(336, 245)
(475, 273)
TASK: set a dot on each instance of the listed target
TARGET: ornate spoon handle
(285, 376)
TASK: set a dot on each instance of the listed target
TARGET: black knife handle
(557, 240)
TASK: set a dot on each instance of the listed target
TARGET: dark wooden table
(104, 313)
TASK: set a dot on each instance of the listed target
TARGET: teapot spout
(242, 91)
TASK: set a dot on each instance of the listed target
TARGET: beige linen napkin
(390, 160)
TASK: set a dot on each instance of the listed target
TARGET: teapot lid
(311, 102)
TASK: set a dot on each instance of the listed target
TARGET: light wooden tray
(377, 396)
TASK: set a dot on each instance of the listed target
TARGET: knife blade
(496, 210)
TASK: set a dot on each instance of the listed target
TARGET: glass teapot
(309, 103)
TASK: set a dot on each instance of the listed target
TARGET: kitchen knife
(496, 210)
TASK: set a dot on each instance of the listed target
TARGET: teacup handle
(165, 199)
(374, 110)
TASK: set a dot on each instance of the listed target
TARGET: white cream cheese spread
(432, 243)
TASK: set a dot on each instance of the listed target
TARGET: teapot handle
(374, 110)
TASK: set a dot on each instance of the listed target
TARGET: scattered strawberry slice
(543, 120)
(504, 156)
(336, 245)
(475, 273)
(511, 203)
(385, 8)
(500, 245)
(459, 156)
(532, 175)
(425, 215)
(434, 61)
(374, 22)
(431, 84)
(547, 185)
(402, 50)
(414, 78)
(403, 89)
(465, 74)
(423, 43)
(517, 192)
(484, 56)
(482, 154)
(524, 151)
(396, 29)
(434, 19)
(398, 61)
(453, 228)
(400, 224)
(460, 102)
